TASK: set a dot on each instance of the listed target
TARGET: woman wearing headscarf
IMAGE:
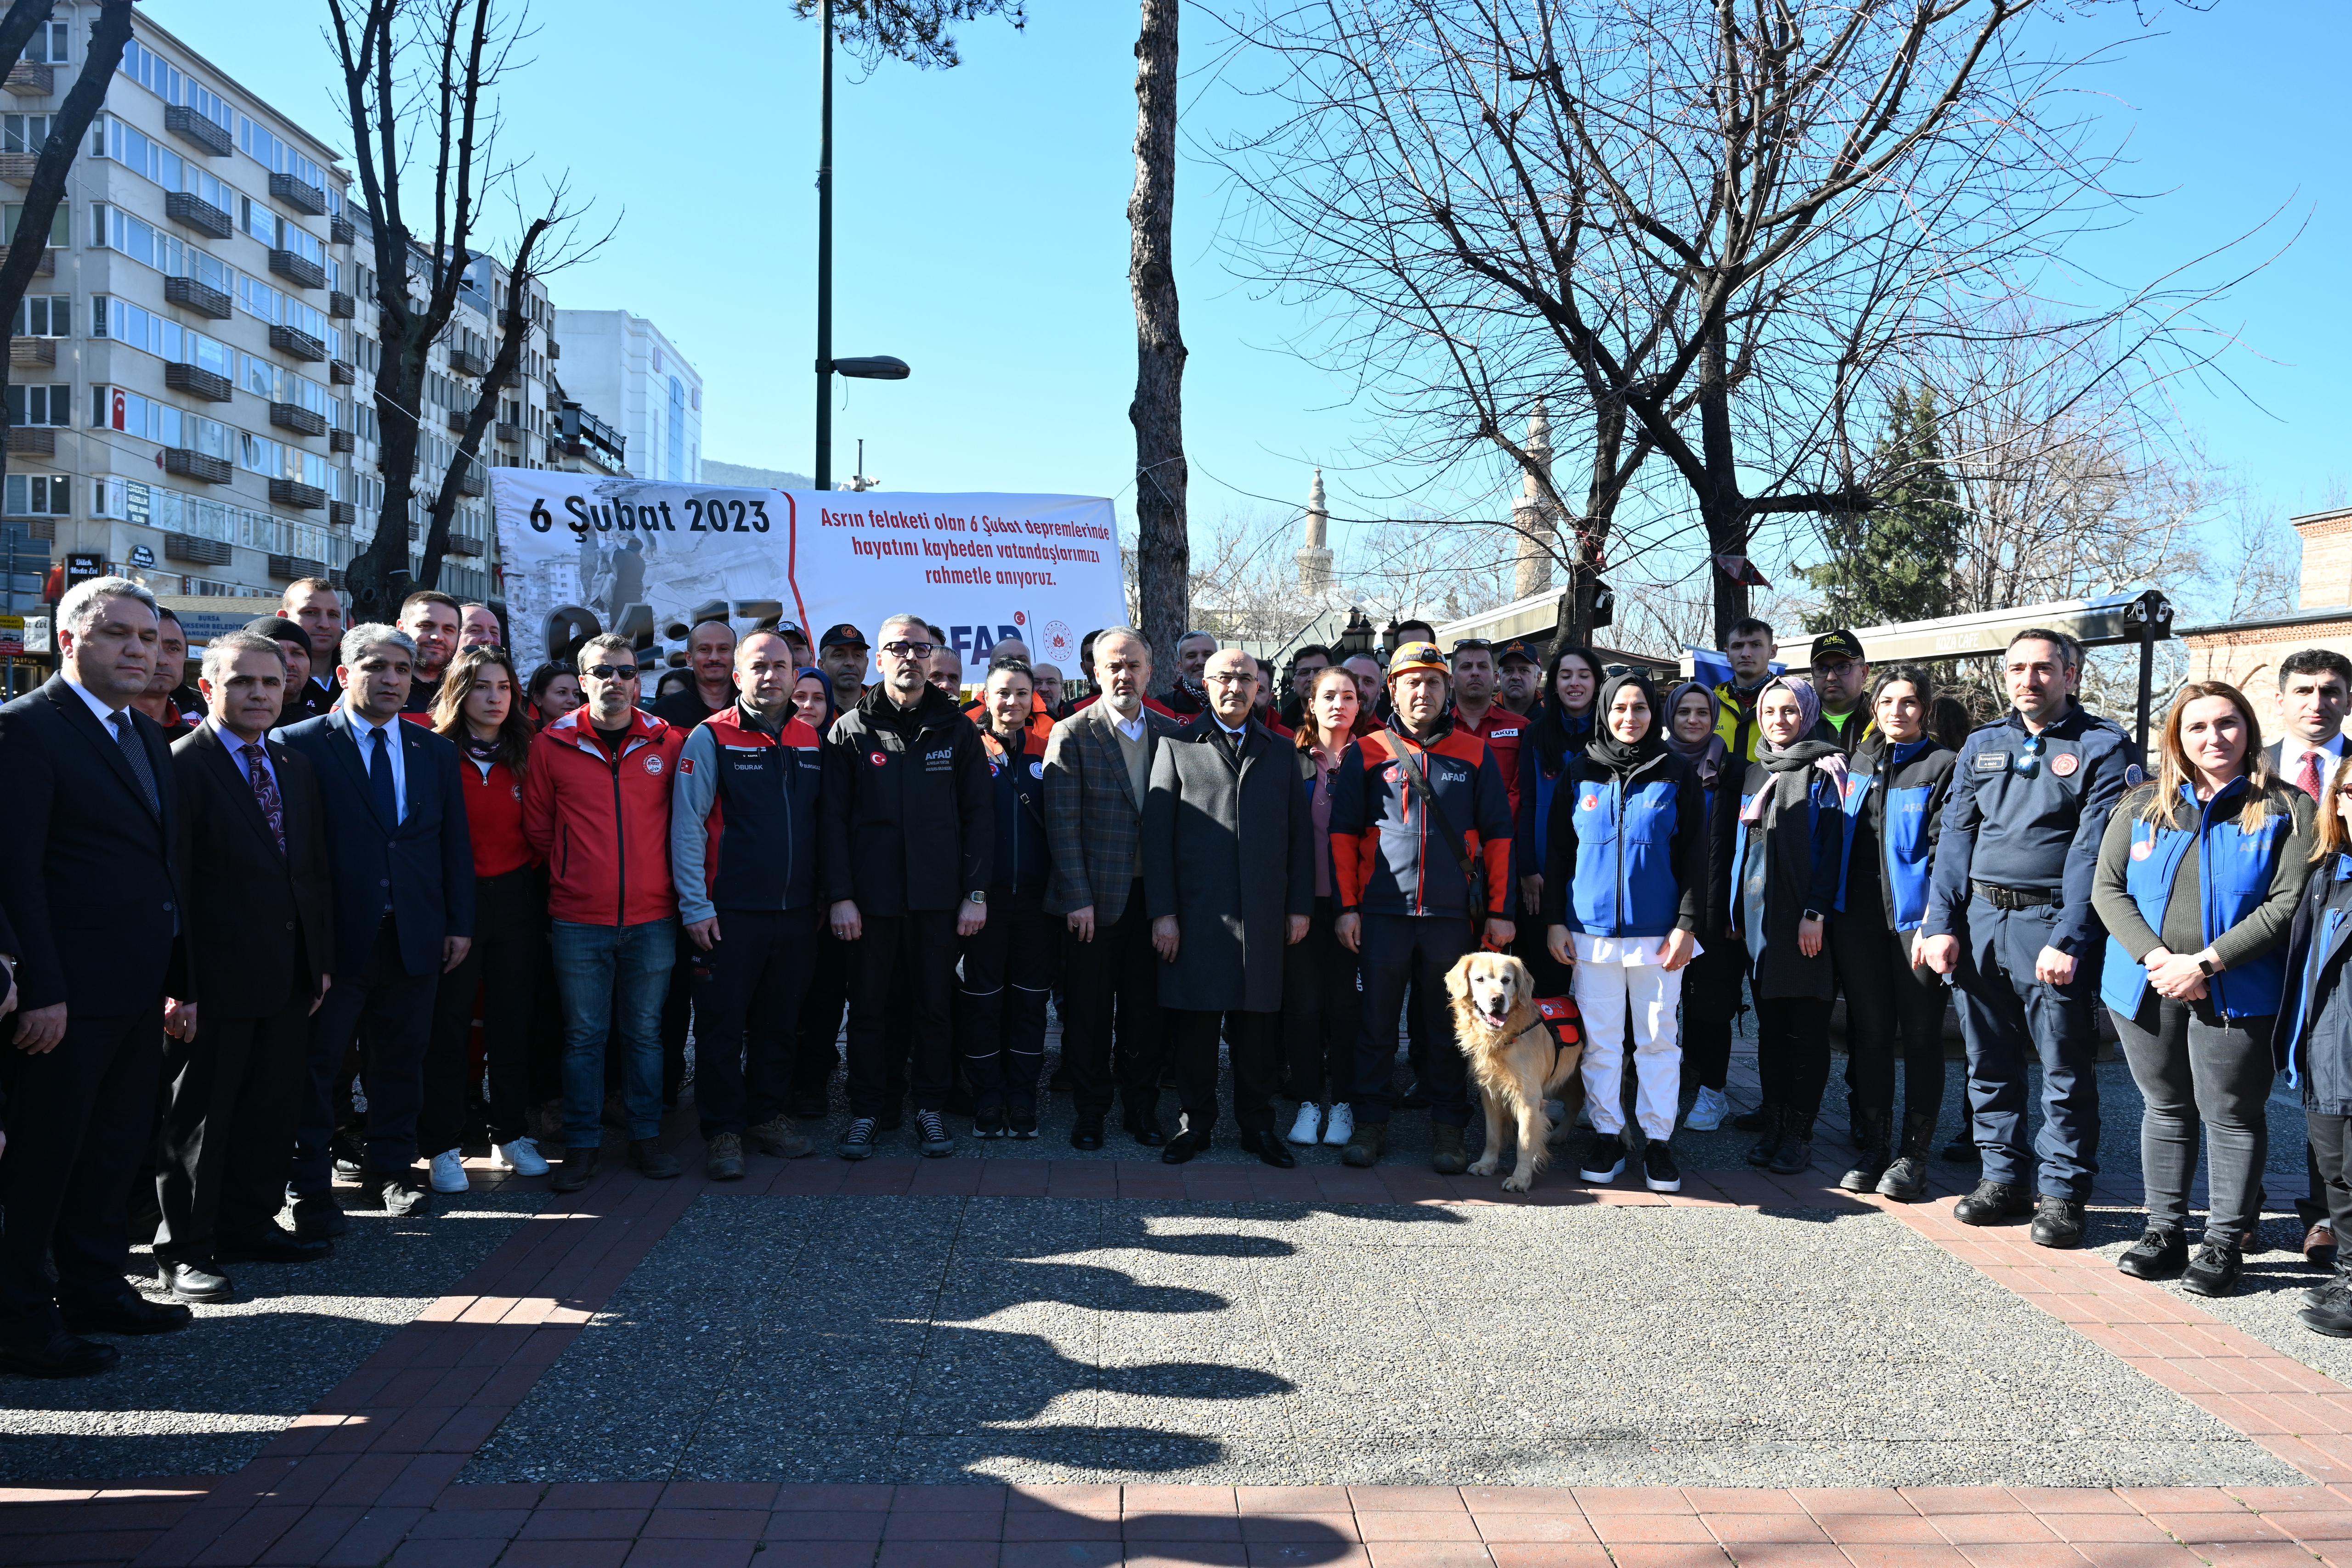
(813, 700)
(1555, 733)
(1625, 885)
(1711, 987)
(1782, 834)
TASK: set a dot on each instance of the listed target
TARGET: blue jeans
(613, 979)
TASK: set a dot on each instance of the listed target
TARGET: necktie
(265, 793)
(134, 751)
(387, 798)
(2307, 781)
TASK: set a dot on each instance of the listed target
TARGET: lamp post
(878, 367)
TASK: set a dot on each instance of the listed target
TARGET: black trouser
(748, 991)
(231, 1099)
(392, 1011)
(1399, 950)
(1793, 1051)
(1257, 1066)
(79, 1118)
(817, 1053)
(501, 969)
(1322, 1015)
(1887, 1001)
(1710, 1003)
(1118, 967)
(676, 1019)
(1008, 971)
(909, 956)
(2331, 1150)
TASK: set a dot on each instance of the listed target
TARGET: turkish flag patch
(879, 758)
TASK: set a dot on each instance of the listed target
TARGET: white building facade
(622, 368)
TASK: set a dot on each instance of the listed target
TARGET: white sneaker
(1339, 1126)
(521, 1156)
(1308, 1128)
(449, 1171)
(1709, 1112)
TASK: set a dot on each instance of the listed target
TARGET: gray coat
(1231, 853)
(1092, 816)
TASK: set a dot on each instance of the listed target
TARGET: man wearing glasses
(907, 809)
(2009, 919)
(596, 806)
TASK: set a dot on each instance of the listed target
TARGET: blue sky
(982, 233)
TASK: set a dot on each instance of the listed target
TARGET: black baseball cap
(842, 636)
(1839, 643)
(1516, 648)
(277, 629)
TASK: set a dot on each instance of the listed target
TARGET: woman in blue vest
(1895, 787)
(1711, 987)
(2314, 1042)
(1625, 887)
(1781, 837)
(2198, 879)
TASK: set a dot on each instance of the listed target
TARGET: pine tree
(1896, 562)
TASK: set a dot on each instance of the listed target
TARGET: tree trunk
(1721, 506)
(1592, 529)
(1163, 555)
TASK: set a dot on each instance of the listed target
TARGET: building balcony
(32, 441)
(555, 348)
(16, 168)
(194, 212)
(200, 297)
(294, 493)
(457, 423)
(294, 417)
(472, 483)
(286, 567)
(341, 440)
(198, 130)
(294, 341)
(342, 514)
(341, 306)
(29, 78)
(206, 385)
(295, 193)
(465, 544)
(466, 362)
(47, 265)
(341, 230)
(297, 270)
(195, 466)
(342, 373)
(196, 551)
(509, 434)
(32, 353)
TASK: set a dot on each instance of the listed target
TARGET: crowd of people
(369, 891)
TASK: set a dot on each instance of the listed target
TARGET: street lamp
(876, 368)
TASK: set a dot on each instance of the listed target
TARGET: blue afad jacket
(2234, 869)
(1626, 856)
(1894, 804)
(1019, 776)
(2313, 1045)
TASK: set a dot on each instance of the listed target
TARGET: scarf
(1798, 755)
(483, 752)
(1622, 757)
(1705, 756)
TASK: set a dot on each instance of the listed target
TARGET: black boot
(1771, 1120)
(1906, 1180)
(1871, 1154)
(1795, 1153)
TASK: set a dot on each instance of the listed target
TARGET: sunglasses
(2028, 762)
(1469, 644)
(910, 649)
(612, 672)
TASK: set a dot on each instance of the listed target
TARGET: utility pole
(824, 465)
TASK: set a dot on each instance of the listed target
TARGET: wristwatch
(979, 897)
(2207, 968)
(1815, 914)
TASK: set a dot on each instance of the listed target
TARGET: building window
(39, 495)
(48, 44)
(134, 413)
(23, 132)
(275, 155)
(60, 223)
(135, 151)
(114, 229)
(166, 81)
(674, 455)
(44, 315)
(40, 405)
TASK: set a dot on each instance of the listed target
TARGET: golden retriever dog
(1513, 1058)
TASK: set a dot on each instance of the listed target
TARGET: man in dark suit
(260, 905)
(404, 874)
(1098, 771)
(88, 880)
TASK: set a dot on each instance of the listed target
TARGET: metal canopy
(2108, 620)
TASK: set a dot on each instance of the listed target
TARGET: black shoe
(648, 1157)
(574, 1170)
(2058, 1223)
(1991, 1203)
(1750, 1120)
(1086, 1133)
(127, 1314)
(1270, 1149)
(2157, 1254)
(1659, 1172)
(1963, 1151)
(932, 1136)
(1872, 1154)
(320, 1219)
(400, 1196)
(1144, 1125)
(1906, 1180)
(857, 1139)
(2214, 1271)
(1794, 1156)
(2327, 1308)
(989, 1123)
(201, 1281)
(810, 1108)
(1020, 1123)
(1771, 1123)
(1181, 1148)
(62, 1355)
(1604, 1158)
(271, 1246)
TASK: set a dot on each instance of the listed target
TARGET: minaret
(1316, 577)
(1532, 514)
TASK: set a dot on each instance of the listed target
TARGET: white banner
(584, 554)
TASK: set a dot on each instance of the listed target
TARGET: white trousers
(1605, 995)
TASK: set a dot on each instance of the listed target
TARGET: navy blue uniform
(2013, 867)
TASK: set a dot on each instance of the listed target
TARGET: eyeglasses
(1231, 678)
(2028, 760)
(910, 649)
(612, 672)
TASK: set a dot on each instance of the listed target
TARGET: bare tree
(68, 129)
(1162, 549)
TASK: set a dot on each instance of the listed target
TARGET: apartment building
(625, 371)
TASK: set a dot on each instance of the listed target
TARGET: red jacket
(1501, 730)
(1382, 857)
(494, 818)
(601, 823)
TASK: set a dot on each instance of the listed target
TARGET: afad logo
(654, 763)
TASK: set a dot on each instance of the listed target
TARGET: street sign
(141, 556)
(11, 634)
(83, 565)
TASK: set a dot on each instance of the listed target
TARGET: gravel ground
(1043, 1340)
(207, 1399)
